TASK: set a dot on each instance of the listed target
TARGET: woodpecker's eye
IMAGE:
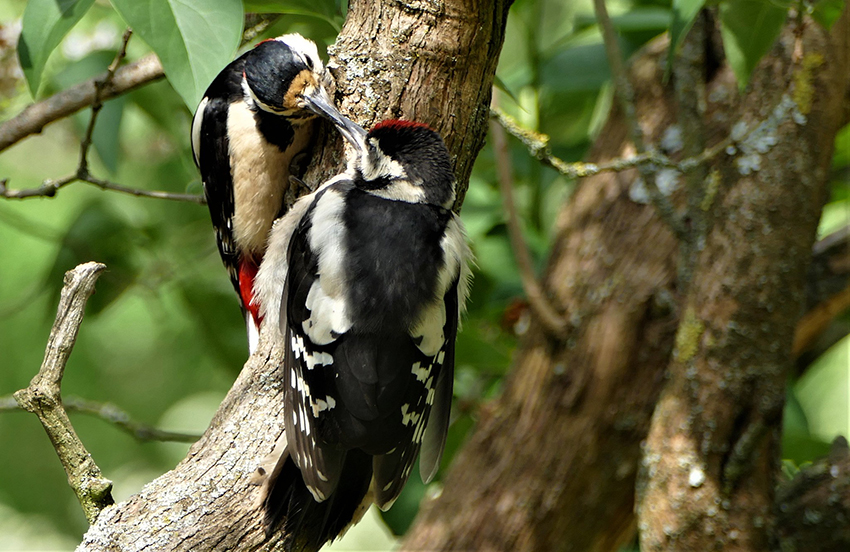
(309, 61)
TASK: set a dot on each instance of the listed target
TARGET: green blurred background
(163, 338)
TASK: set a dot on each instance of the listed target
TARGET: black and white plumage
(251, 126)
(363, 285)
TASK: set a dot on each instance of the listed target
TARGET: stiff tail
(289, 507)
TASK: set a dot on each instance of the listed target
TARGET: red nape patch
(399, 124)
(247, 273)
(264, 41)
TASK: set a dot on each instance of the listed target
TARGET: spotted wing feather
(319, 463)
(211, 148)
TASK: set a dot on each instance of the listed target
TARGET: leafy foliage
(45, 24)
(194, 39)
(749, 28)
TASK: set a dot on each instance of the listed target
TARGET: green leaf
(822, 392)
(194, 39)
(749, 28)
(827, 12)
(326, 10)
(45, 23)
(682, 18)
(500, 84)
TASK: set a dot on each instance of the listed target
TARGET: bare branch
(62, 104)
(537, 144)
(43, 395)
(50, 187)
(112, 414)
(537, 299)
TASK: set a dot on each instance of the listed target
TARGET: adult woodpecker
(254, 120)
(363, 285)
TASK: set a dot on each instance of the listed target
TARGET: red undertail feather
(247, 273)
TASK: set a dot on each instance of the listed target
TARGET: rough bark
(813, 510)
(448, 48)
(552, 464)
(712, 455)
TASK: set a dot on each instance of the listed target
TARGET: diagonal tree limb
(42, 396)
(63, 104)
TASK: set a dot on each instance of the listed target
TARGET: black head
(405, 155)
(278, 74)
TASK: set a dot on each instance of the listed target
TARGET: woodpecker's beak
(320, 103)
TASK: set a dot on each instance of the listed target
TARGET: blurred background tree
(163, 339)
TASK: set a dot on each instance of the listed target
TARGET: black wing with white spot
(425, 416)
(368, 382)
(210, 145)
(307, 366)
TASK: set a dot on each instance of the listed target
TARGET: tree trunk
(425, 61)
(553, 462)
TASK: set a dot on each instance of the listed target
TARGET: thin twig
(97, 104)
(553, 322)
(43, 395)
(626, 96)
(538, 146)
(49, 188)
(256, 24)
(112, 414)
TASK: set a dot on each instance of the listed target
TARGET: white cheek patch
(374, 165)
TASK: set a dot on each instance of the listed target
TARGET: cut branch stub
(43, 395)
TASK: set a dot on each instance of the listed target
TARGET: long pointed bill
(319, 103)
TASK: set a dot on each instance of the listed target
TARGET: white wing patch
(409, 418)
(421, 372)
(328, 319)
(326, 241)
(311, 360)
(430, 328)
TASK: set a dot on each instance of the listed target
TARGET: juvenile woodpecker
(363, 284)
(253, 122)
